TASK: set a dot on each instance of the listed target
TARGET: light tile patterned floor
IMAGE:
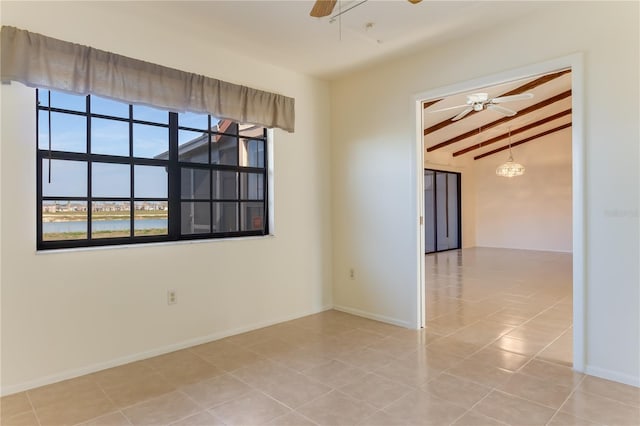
(497, 350)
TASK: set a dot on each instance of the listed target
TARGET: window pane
(195, 184)
(43, 97)
(109, 107)
(225, 185)
(153, 115)
(192, 147)
(150, 182)
(225, 217)
(109, 137)
(224, 126)
(251, 153)
(63, 100)
(68, 178)
(151, 218)
(252, 186)
(195, 218)
(224, 150)
(251, 131)
(150, 141)
(195, 121)
(64, 220)
(252, 216)
(68, 132)
(110, 180)
(110, 219)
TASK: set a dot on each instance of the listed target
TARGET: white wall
(372, 156)
(66, 313)
(532, 211)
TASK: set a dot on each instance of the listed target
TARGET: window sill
(161, 243)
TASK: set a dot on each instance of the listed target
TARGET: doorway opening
(573, 102)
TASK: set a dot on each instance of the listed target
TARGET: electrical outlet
(352, 274)
(172, 299)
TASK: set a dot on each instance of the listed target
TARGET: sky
(68, 178)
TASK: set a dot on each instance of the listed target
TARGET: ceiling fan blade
(450, 108)
(521, 97)
(322, 8)
(462, 114)
(506, 111)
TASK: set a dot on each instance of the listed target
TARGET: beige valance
(39, 61)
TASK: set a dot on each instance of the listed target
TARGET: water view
(68, 221)
(103, 225)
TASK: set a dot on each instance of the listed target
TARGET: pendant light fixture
(510, 168)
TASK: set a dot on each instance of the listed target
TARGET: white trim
(613, 375)
(381, 318)
(70, 374)
(526, 249)
(271, 206)
(576, 63)
(418, 166)
(579, 207)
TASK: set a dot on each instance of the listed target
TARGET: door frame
(576, 63)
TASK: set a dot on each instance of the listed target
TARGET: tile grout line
(498, 338)
(535, 357)
(331, 389)
(118, 409)
(202, 409)
(567, 399)
(33, 408)
(637, 407)
(478, 403)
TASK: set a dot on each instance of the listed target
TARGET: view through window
(113, 173)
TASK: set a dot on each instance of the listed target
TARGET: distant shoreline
(102, 216)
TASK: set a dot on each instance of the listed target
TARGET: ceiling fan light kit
(481, 101)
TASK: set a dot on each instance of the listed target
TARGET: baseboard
(525, 249)
(613, 375)
(372, 316)
(70, 374)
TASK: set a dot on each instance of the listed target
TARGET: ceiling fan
(323, 8)
(480, 101)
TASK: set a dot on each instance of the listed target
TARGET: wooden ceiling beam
(521, 89)
(503, 120)
(537, 82)
(429, 103)
(513, 132)
(525, 140)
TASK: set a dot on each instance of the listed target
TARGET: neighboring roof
(245, 130)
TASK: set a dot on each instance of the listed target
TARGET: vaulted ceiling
(483, 133)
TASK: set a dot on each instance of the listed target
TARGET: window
(110, 173)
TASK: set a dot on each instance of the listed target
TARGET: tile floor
(497, 350)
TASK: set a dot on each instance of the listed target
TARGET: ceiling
(283, 33)
(480, 134)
